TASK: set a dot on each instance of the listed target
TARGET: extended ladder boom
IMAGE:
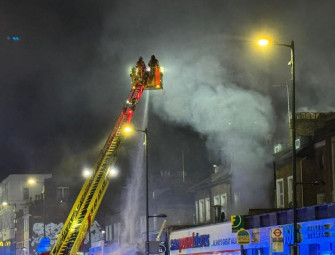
(89, 199)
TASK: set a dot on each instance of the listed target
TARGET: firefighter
(140, 65)
(153, 62)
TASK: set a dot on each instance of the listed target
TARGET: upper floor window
(224, 201)
(280, 193)
(208, 209)
(196, 211)
(216, 200)
(297, 143)
(201, 210)
(221, 200)
(26, 193)
(320, 198)
(63, 193)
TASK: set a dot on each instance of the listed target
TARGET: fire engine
(89, 199)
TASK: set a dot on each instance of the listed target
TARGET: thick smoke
(64, 82)
(236, 122)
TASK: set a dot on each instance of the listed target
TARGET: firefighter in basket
(141, 68)
(154, 73)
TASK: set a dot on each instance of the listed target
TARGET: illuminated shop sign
(5, 243)
(211, 239)
(201, 241)
(193, 241)
(311, 232)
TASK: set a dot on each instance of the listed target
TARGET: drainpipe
(274, 184)
(301, 180)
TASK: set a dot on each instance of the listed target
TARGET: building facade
(169, 199)
(314, 163)
(213, 197)
(15, 196)
(266, 234)
(29, 212)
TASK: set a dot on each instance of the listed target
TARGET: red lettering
(186, 242)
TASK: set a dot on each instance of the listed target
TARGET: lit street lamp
(5, 204)
(265, 42)
(33, 181)
(87, 173)
(128, 129)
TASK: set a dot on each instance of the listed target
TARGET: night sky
(64, 82)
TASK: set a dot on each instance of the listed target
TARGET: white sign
(277, 239)
(278, 246)
(212, 239)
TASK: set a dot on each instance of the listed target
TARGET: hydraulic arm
(89, 199)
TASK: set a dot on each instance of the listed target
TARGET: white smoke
(236, 122)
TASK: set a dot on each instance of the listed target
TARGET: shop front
(210, 239)
(314, 238)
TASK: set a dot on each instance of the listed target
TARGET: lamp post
(162, 215)
(32, 181)
(87, 173)
(14, 221)
(264, 42)
(145, 131)
(129, 129)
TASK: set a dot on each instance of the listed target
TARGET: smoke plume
(236, 122)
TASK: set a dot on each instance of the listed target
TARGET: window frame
(196, 211)
(207, 209)
(202, 210)
(280, 195)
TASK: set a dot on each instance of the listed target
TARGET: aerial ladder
(89, 199)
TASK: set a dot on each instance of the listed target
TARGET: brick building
(315, 139)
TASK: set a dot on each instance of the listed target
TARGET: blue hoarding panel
(44, 245)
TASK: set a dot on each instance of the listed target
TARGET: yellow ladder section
(89, 199)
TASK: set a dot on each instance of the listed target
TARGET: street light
(5, 204)
(129, 129)
(113, 172)
(32, 181)
(265, 42)
(87, 173)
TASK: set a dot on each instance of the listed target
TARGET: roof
(215, 179)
